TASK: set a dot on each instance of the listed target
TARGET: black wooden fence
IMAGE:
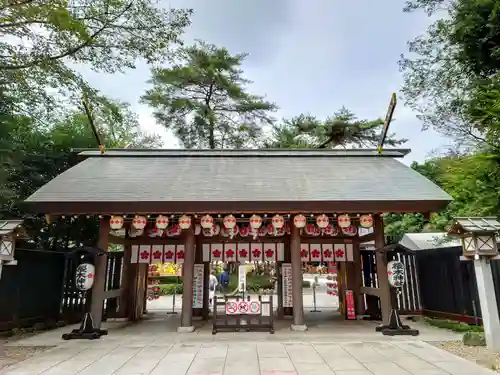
(409, 301)
(40, 288)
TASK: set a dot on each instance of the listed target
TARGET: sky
(306, 56)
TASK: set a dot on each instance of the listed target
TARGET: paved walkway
(330, 347)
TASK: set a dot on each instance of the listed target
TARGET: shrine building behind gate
(159, 198)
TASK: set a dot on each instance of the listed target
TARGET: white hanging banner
(270, 252)
(339, 252)
(216, 251)
(134, 257)
(281, 251)
(230, 252)
(179, 254)
(327, 250)
(243, 252)
(169, 254)
(206, 252)
(315, 252)
(157, 254)
(144, 253)
(256, 251)
(349, 252)
(304, 252)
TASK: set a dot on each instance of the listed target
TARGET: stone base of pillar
(185, 329)
(300, 328)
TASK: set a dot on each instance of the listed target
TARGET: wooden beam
(383, 278)
(370, 291)
(100, 274)
(112, 293)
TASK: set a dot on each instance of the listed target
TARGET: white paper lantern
(366, 221)
(184, 222)
(229, 221)
(207, 222)
(255, 221)
(322, 221)
(116, 222)
(396, 273)
(278, 221)
(161, 222)
(84, 276)
(344, 221)
(139, 222)
(300, 221)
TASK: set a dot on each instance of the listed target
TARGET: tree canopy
(204, 99)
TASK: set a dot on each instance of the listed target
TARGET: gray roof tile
(250, 178)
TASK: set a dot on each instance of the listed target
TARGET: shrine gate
(196, 206)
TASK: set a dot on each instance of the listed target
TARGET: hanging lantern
(207, 222)
(184, 222)
(230, 222)
(300, 221)
(366, 221)
(139, 222)
(278, 223)
(322, 221)
(255, 223)
(161, 222)
(344, 221)
(116, 222)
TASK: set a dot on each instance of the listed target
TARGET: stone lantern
(479, 242)
(478, 236)
(8, 233)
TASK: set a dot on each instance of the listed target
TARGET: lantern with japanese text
(207, 223)
(184, 222)
(230, 222)
(116, 222)
(366, 221)
(161, 222)
(300, 222)
(322, 221)
(84, 276)
(344, 221)
(396, 273)
(255, 224)
(139, 222)
(278, 222)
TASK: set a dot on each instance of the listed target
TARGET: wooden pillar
(187, 276)
(298, 302)
(279, 287)
(97, 305)
(126, 281)
(383, 280)
(358, 280)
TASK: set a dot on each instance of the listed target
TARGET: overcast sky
(307, 56)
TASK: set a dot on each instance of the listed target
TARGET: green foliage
(341, 129)
(203, 99)
(105, 35)
(474, 339)
(170, 289)
(453, 325)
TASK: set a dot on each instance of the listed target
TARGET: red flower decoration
(327, 253)
(169, 255)
(315, 253)
(303, 253)
(217, 253)
(180, 255)
(145, 255)
(389, 273)
(339, 253)
(256, 253)
(269, 253)
(157, 254)
(90, 276)
(230, 253)
(243, 253)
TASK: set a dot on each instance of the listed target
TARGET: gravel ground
(10, 355)
(477, 354)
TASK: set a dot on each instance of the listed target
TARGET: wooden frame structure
(188, 184)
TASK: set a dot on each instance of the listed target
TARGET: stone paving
(330, 347)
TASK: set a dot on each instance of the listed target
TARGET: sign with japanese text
(286, 274)
(199, 273)
(349, 304)
(396, 273)
(242, 278)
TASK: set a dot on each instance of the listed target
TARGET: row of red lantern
(229, 221)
